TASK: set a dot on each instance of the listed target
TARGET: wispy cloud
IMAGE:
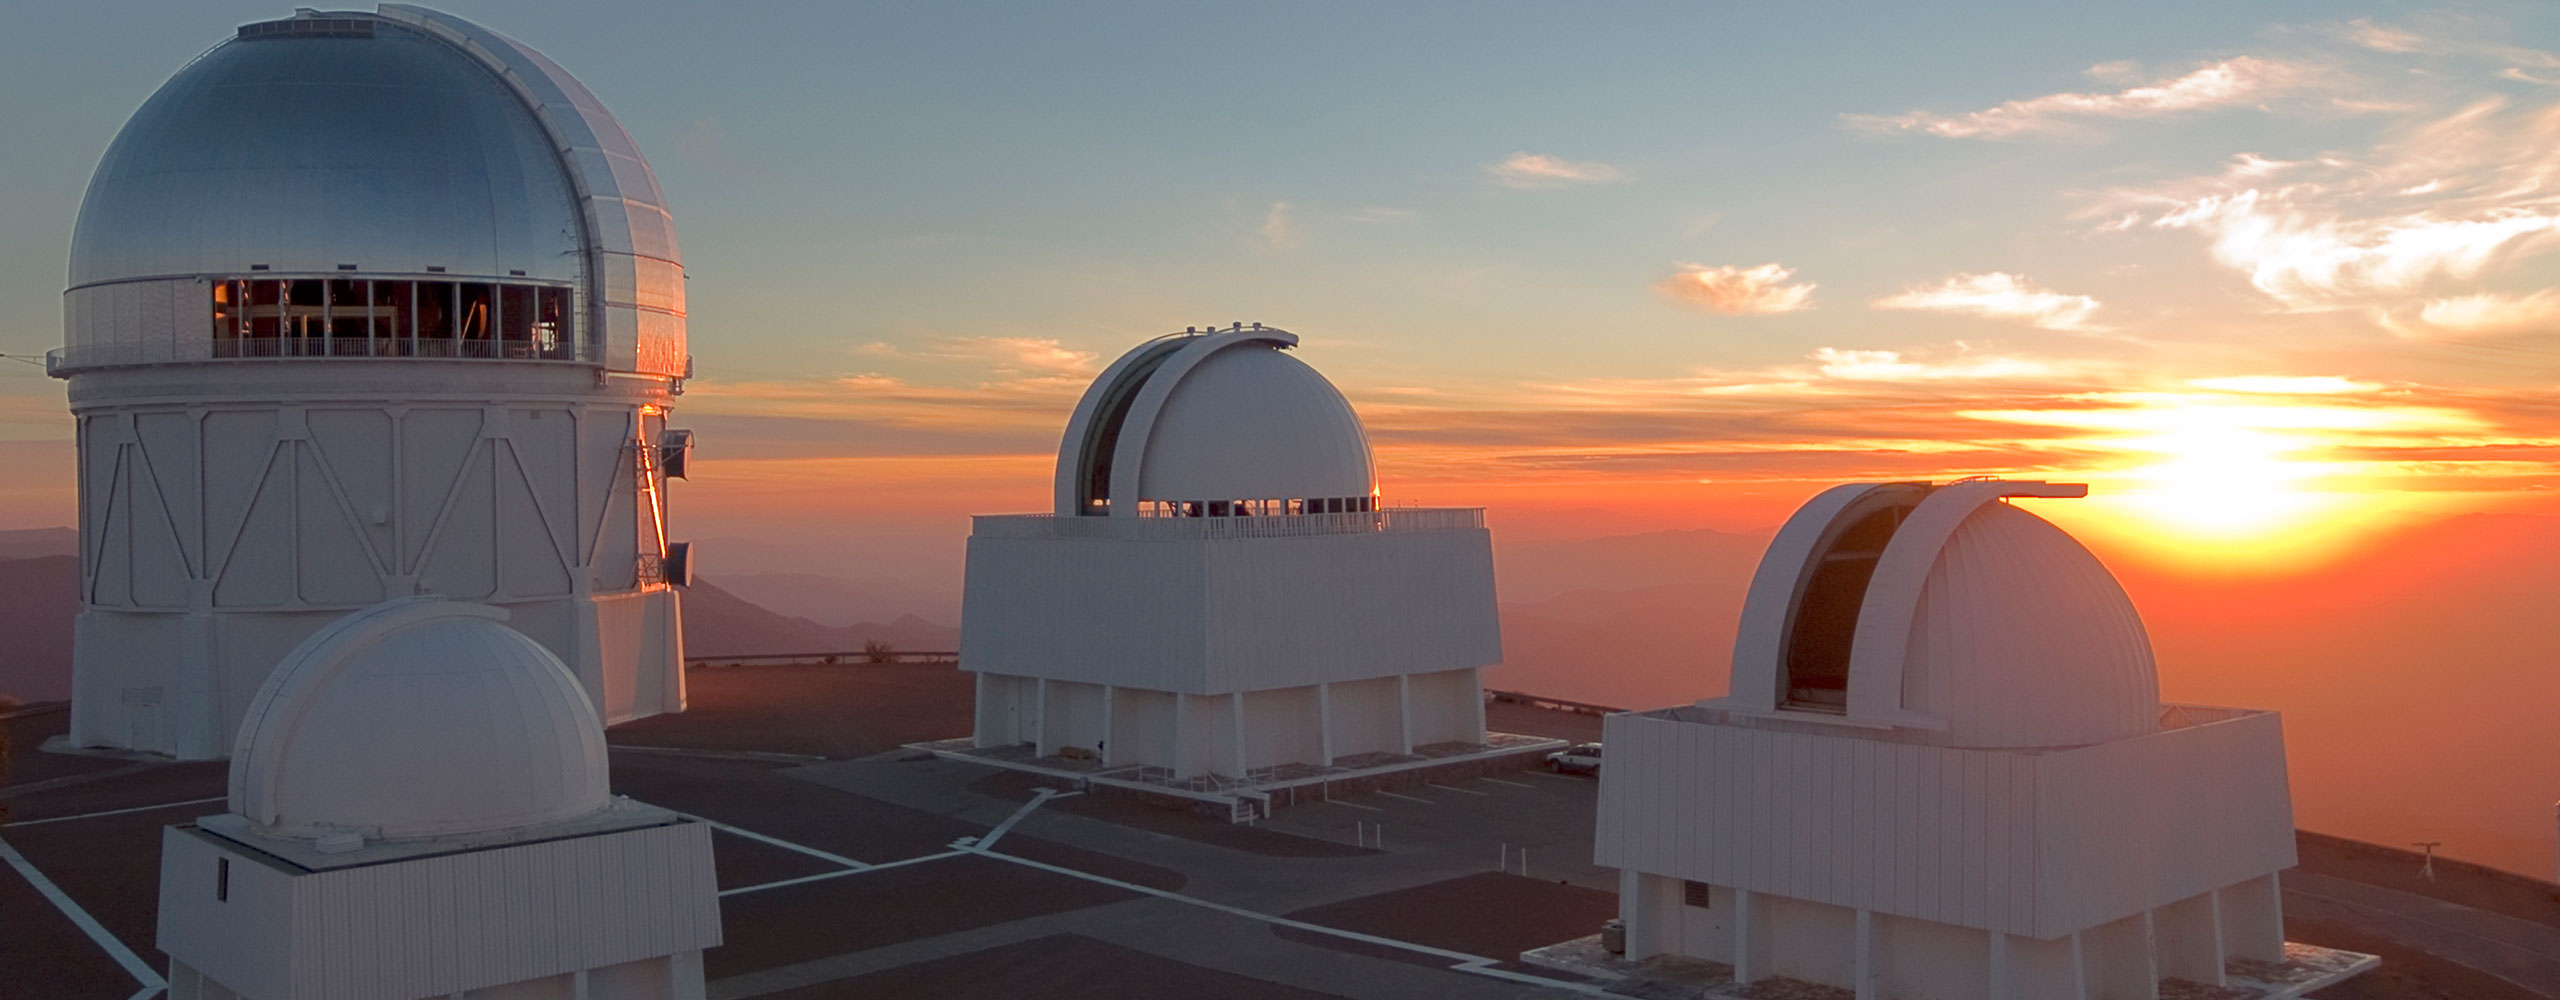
(2451, 199)
(1891, 366)
(1998, 295)
(2290, 385)
(1534, 170)
(2241, 81)
(1739, 290)
(1279, 231)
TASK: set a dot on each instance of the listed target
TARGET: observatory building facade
(1944, 770)
(365, 305)
(1218, 591)
(419, 808)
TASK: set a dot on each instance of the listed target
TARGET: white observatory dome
(418, 717)
(1208, 419)
(352, 146)
(1947, 612)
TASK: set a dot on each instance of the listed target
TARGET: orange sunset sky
(2265, 278)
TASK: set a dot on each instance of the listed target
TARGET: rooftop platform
(841, 878)
(2306, 968)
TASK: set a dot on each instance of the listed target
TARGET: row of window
(1258, 508)
(254, 317)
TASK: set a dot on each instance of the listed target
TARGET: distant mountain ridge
(40, 599)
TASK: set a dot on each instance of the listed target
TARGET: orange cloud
(1739, 290)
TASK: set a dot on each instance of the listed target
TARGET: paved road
(2519, 951)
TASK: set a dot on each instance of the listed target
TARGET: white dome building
(445, 776)
(1943, 770)
(1218, 591)
(417, 334)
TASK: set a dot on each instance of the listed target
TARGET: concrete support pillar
(1110, 694)
(1235, 729)
(1747, 966)
(2189, 934)
(1862, 969)
(1040, 746)
(1649, 906)
(2252, 919)
(1324, 723)
(978, 734)
(1182, 764)
(1475, 687)
(1998, 973)
(1404, 714)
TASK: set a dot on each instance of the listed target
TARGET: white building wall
(1215, 616)
(1921, 960)
(229, 510)
(1142, 727)
(1367, 718)
(1282, 727)
(2037, 844)
(1448, 706)
(1072, 715)
(1208, 736)
(1008, 710)
(442, 924)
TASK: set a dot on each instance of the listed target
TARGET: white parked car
(1580, 758)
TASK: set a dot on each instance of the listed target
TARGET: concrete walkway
(2519, 951)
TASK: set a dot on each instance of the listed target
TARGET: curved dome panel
(1250, 421)
(388, 150)
(2023, 639)
(418, 718)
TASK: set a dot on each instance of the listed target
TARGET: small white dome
(1212, 417)
(419, 717)
(1947, 613)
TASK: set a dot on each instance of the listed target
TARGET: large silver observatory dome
(404, 142)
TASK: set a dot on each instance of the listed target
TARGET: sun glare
(2250, 478)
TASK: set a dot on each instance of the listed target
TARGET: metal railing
(1191, 528)
(853, 658)
(391, 347)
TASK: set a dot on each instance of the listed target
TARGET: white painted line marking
(1038, 797)
(1514, 784)
(111, 812)
(1463, 962)
(1461, 791)
(822, 876)
(777, 842)
(1355, 805)
(133, 964)
(1409, 798)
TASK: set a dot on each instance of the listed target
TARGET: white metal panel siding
(2141, 823)
(1090, 610)
(2039, 844)
(1920, 831)
(457, 922)
(241, 942)
(1330, 608)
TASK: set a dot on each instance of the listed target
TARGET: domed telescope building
(366, 305)
(1218, 591)
(1943, 769)
(418, 808)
